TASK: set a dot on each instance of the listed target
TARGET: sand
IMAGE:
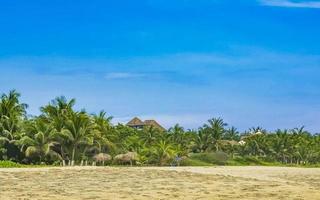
(160, 183)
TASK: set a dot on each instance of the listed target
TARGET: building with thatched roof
(139, 124)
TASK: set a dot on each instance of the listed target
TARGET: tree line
(62, 135)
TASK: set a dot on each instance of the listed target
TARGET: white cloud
(292, 4)
(123, 75)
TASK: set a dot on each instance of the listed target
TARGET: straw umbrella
(102, 157)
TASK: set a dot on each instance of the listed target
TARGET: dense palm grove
(63, 136)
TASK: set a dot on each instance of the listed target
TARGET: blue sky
(251, 62)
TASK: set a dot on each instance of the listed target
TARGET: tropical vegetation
(62, 135)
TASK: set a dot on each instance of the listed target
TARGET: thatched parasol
(102, 157)
(127, 158)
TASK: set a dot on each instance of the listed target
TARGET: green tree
(79, 130)
(39, 141)
(12, 113)
(216, 128)
(163, 152)
(104, 132)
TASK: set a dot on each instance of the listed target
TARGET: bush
(9, 164)
(217, 158)
(193, 162)
(250, 160)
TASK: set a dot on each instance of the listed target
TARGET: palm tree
(298, 131)
(176, 134)
(58, 111)
(162, 152)
(256, 144)
(39, 140)
(12, 113)
(10, 105)
(216, 128)
(149, 135)
(133, 143)
(230, 141)
(79, 130)
(104, 132)
(257, 130)
(232, 134)
(280, 145)
(202, 140)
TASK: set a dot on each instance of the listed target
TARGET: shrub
(218, 158)
(9, 164)
(249, 160)
(193, 162)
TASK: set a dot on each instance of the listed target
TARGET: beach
(160, 183)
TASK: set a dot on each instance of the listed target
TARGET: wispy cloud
(292, 4)
(123, 75)
(245, 86)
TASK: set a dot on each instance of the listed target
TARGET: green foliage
(217, 158)
(194, 162)
(63, 135)
(247, 160)
(9, 164)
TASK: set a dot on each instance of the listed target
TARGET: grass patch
(205, 159)
(220, 158)
(194, 162)
(10, 164)
(246, 161)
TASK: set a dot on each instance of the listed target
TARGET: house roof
(137, 122)
(154, 124)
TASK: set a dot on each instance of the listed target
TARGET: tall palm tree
(202, 140)
(39, 140)
(79, 130)
(12, 113)
(10, 105)
(232, 134)
(279, 144)
(216, 128)
(58, 111)
(104, 132)
(176, 134)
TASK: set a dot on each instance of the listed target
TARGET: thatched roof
(137, 122)
(154, 124)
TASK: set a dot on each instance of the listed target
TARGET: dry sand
(160, 183)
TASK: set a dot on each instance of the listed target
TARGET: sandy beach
(160, 183)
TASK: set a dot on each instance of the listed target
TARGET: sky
(251, 62)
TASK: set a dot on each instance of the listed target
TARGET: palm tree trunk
(73, 153)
